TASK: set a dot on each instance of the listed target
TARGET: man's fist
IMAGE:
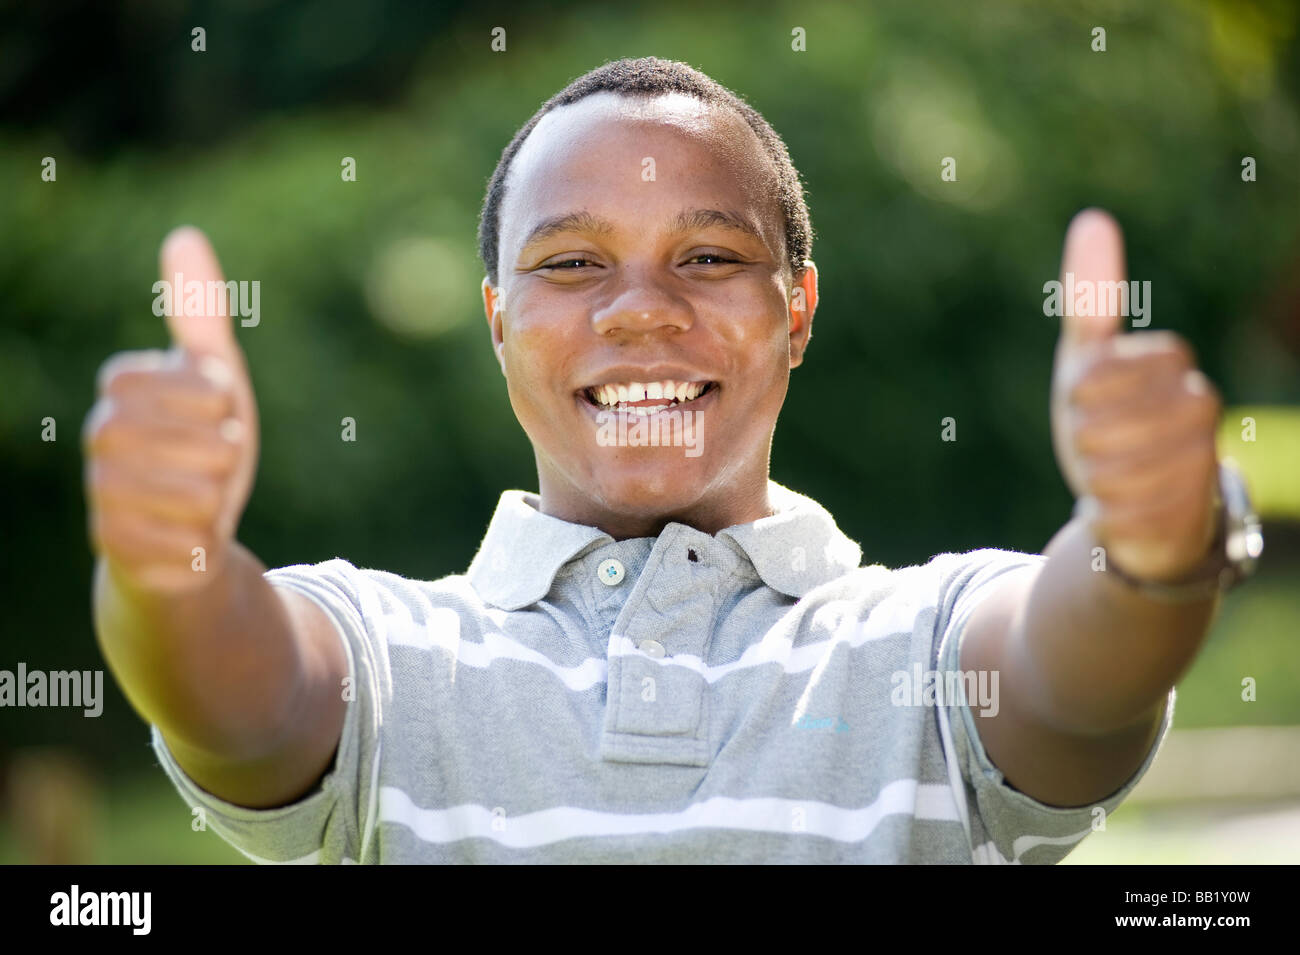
(171, 442)
(1133, 421)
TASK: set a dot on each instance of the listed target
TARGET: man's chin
(662, 482)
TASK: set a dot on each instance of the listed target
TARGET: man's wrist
(1235, 544)
(1211, 575)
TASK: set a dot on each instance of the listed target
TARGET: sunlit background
(931, 306)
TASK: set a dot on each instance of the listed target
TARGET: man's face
(642, 252)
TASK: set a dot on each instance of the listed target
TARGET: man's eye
(567, 265)
(577, 262)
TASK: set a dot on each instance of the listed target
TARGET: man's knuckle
(124, 366)
(1173, 346)
(112, 433)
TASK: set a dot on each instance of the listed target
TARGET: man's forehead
(607, 121)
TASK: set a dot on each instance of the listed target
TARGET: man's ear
(803, 302)
(493, 306)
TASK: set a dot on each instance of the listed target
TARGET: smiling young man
(661, 656)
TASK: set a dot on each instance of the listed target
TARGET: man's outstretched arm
(1085, 661)
(242, 679)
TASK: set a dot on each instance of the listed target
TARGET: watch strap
(1231, 555)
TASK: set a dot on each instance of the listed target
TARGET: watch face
(1244, 540)
(1245, 544)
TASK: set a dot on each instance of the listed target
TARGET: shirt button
(651, 648)
(610, 572)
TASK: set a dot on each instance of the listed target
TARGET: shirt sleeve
(334, 823)
(1005, 824)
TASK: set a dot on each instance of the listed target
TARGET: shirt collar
(793, 550)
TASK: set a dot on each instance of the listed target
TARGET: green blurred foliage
(931, 292)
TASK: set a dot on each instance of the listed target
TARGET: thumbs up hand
(171, 442)
(1133, 420)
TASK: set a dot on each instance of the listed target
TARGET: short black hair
(650, 76)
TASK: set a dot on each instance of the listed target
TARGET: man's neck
(737, 503)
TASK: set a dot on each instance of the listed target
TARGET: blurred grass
(1218, 833)
(1265, 442)
(141, 821)
(1254, 636)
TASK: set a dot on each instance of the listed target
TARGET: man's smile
(645, 397)
(701, 395)
(646, 389)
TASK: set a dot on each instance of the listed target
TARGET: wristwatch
(1237, 544)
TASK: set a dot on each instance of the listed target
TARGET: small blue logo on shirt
(829, 723)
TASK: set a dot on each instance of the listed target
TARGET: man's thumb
(1093, 278)
(199, 318)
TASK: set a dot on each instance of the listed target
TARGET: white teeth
(610, 395)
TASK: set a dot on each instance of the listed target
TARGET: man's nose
(642, 304)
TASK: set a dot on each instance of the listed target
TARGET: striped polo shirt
(750, 696)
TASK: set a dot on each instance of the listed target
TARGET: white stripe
(990, 854)
(955, 779)
(441, 631)
(372, 808)
(310, 859)
(786, 816)
(769, 650)
(1024, 843)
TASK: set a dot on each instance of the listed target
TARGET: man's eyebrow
(568, 222)
(685, 221)
(690, 219)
